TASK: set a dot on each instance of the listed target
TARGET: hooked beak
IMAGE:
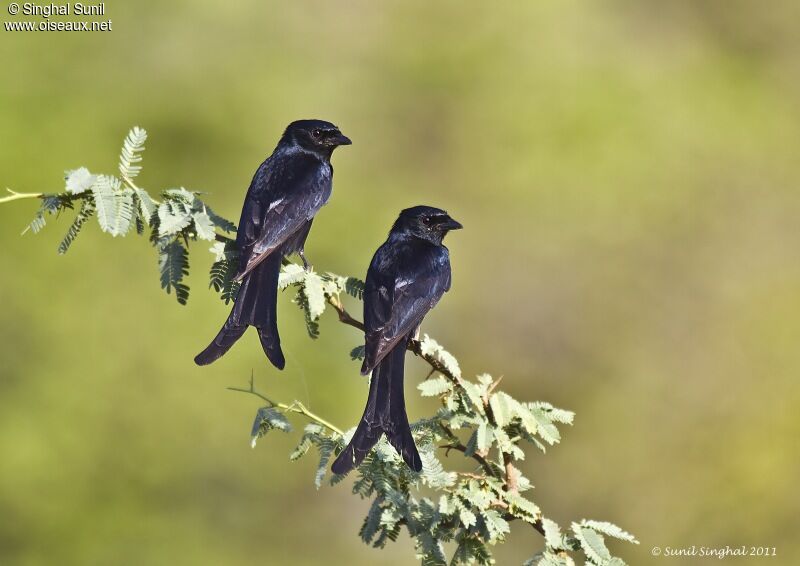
(451, 224)
(340, 139)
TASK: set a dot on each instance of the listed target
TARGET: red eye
(427, 220)
(316, 133)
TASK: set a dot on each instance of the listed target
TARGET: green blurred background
(628, 177)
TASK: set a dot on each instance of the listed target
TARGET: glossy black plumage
(406, 278)
(286, 192)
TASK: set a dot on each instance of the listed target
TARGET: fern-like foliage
(84, 214)
(119, 205)
(130, 157)
(476, 421)
(223, 270)
(173, 262)
(474, 508)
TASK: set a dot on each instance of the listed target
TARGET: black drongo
(407, 277)
(286, 192)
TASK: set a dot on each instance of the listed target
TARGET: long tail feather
(255, 305)
(223, 341)
(385, 413)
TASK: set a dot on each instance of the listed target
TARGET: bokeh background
(628, 176)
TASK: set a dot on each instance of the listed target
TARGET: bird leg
(307, 266)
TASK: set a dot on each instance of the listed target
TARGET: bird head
(425, 222)
(317, 136)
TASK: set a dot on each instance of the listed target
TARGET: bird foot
(307, 266)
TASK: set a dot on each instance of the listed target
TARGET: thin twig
(511, 476)
(18, 196)
(295, 407)
(477, 457)
(344, 316)
(414, 346)
(493, 386)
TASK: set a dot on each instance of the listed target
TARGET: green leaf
(51, 204)
(315, 295)
(556, 415)
(37, 223)
(507, 446)
(446, 505)
(312, 324)
(173, 263)
(203, 226)
(503, 408)
(79, 180)
(326, 447)
(218, 249)
(181, 195)
(467, 517)
(354, 287)
(430, 550)
(435, 386)
(371, 522)
(609, 529)
(552, 534)
(220, 222)
(528, 420)
(433, 473)
(268, 418)
(224, 269)
(485, 379)
(484, 437)
(470, 551)
(431, 347)
(301, 449)
(86, 212)
(592, 544)
(497, 526)
(114, 205)
(549, 559)
(147, 206)
(521, 507)
(545, 429)
(291, 274)
(357, 353)
(129, 158)
(474, 394)
(478, 496)
(173, 216)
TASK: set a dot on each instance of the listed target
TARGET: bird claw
(307, 266)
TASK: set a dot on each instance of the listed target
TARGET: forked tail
(385, 414)
(255, 305)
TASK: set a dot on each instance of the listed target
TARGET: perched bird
(286, 192)
(408, 275)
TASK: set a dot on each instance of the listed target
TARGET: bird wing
(397, 299)
(278, 204)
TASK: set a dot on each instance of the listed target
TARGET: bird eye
(316, 133)
(426, 220)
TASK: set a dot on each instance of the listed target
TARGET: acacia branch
(414, 346)
(128, 181)
(498, 476)
(294, 407)
(477, 457)
(510, 478)
(18, 196)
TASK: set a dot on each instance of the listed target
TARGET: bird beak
(451, 224)
(341, 139)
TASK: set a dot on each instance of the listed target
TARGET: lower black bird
(408, 275)
(285, 194)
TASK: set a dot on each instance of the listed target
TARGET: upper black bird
(408, 275)
(286, 192)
